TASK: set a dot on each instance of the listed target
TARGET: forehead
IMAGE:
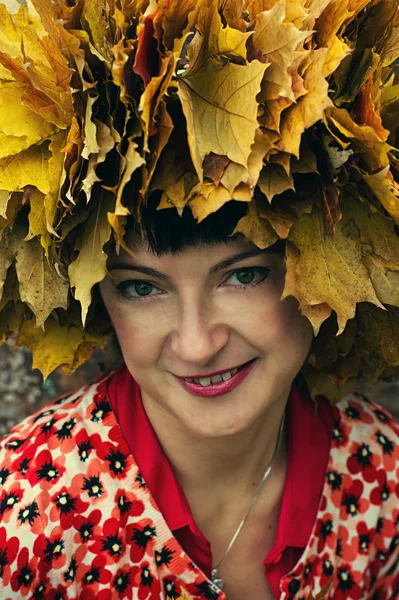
(206, 255)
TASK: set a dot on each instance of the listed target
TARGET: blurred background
(23, 392)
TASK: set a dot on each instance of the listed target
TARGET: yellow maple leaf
(309, 108)
(270, 29)
(58, 345)
(218, 99)
(89, 267)
(28, 166)
(330, 271)
(20, 126)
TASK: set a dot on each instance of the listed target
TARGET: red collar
(308, 429)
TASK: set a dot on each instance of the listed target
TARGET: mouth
(217, 384)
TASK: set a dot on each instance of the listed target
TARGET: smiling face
(200, 313)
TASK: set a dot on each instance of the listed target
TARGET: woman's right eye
(136, 289)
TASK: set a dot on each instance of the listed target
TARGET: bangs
(166, 232)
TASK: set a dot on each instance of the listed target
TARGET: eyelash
(122, 288)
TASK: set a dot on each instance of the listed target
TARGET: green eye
(250, 277)
(246, 276)
(136, 289)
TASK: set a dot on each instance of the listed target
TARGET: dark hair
(166, 231)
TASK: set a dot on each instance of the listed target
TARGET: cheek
(281, 326)
(138, 333)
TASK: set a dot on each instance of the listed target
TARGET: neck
(218, 467)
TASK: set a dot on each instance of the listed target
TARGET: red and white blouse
(90, 507)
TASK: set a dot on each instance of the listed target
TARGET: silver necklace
(218, 581)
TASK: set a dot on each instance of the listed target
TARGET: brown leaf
(214, 166)
(366, 113)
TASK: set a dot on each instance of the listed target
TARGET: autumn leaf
(20, 126)
(330, 271)
(153, 94)
(6, 260)
(89, 267)
(219, 100)
(274, 180)
(309, 108)
(362, 137)
(386, 190)
(95, 14)
(28, 166)
(366, 113)
(385, 281)
(55, 171)
(174, 18)
(254, 229)
(37, 220)
(65, 346)
(330, 21)
(381, 331)
(40, 286)
(372, 228)
(278, 42)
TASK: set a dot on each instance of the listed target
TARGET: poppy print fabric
(78, 522)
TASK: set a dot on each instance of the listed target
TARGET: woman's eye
(136, 289)
(250, 276)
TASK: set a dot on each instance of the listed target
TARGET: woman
(223, 176)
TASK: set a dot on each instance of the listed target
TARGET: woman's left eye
(250, 276)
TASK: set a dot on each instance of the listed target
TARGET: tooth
(216, 379)
(226, 376)
(234, 371)
(189, 380)
(204, 381)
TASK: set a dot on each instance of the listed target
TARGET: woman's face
(197, 317)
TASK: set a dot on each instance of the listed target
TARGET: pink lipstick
(222, 387)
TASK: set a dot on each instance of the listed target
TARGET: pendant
(218, 581)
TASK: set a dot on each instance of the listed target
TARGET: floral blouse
(77, 520)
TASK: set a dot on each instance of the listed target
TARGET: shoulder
(30, 451)
(363, 420)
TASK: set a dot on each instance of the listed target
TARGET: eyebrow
(227, 262)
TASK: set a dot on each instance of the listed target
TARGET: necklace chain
(215, 579)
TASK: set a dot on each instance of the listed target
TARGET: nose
(199, 334)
